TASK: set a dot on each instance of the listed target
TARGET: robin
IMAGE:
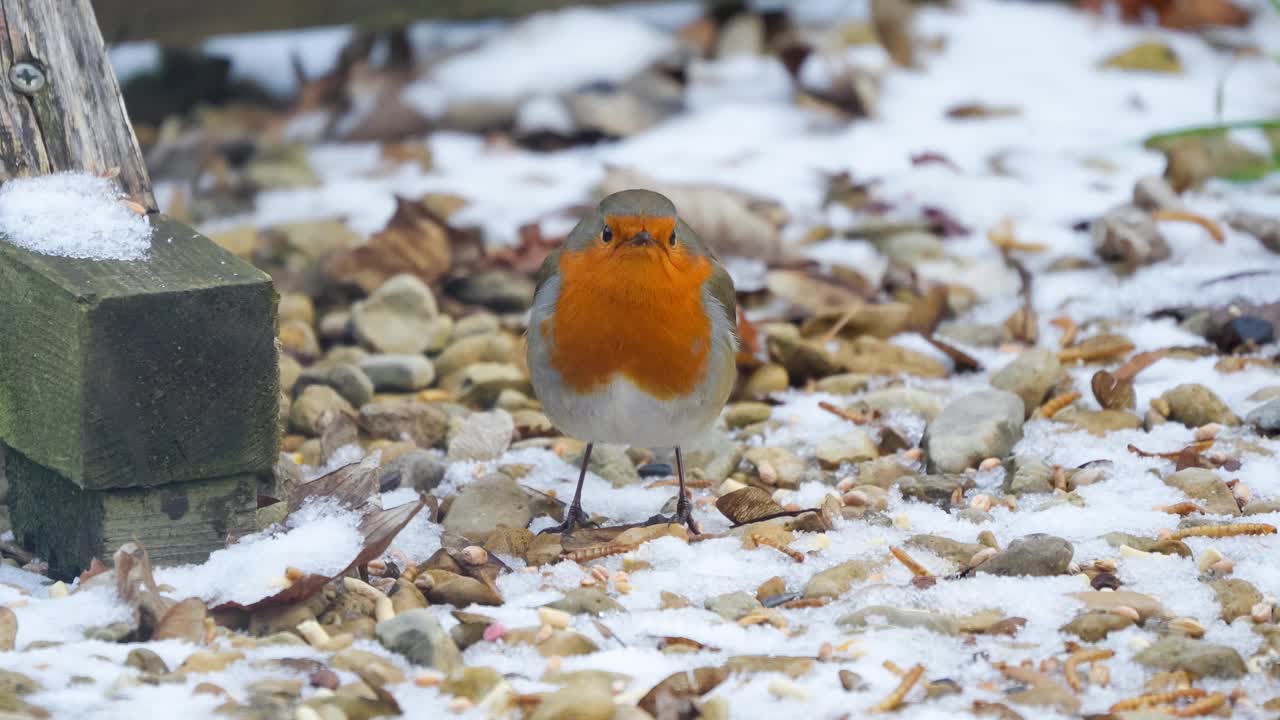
(632, 335)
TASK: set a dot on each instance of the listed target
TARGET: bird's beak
(641, 239)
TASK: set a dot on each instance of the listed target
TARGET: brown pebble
(1105, 581)
(324, 678)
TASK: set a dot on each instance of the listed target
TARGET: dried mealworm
(855, 418)
(1185, 507)
(1056, 404)
(1213, 228)
(595, 552)
(916, 568)
(1082, 656)
(1068, 327)
(1138, 363)
(1154, 699)
(759, 539)
(1203, 706)
(895, 698)
(1221, 531)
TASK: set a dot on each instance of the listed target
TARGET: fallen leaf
(980, 111)
(1148, 56)
(414, 241)
(183, 621)
(892, 22)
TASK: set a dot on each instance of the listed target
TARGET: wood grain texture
(77, 121)
(173, 21)
(179, 523)
(119, 374)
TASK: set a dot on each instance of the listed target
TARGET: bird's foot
(682, 516)
(574, 518)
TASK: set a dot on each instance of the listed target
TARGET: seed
(785, 689)
(989, 464)
(544, 633)
(474, 555)
(826, 651)
(846, 484)
(728, 486)
(914, 454)
(855, 498)
(459, 705)
(427, 680)
(293, 574)
(554, 662)
(982, 556)
(58, 590)
(600, 574)
(1208, 432)
(1126, 611)
(1223, 567)
(1208, 558)
(1187, 626)
(313, 633)
(768, 475)
(1261, 613)
(376, 567)
(981, 501)
(382, 609)
(901, 521)
(360, 587)
(551, 617)
(623, 587)
(493, 631)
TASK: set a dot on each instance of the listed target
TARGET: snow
(319, 538)
(74, 215)
(546, 53)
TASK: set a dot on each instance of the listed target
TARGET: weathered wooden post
(138, 399)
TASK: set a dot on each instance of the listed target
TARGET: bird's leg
(574, 517)
(684, 511)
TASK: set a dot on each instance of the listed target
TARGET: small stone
(396, 318)
(1198, 658)
(296, 306)
(471, 683)
(1155, 193)
(1194, 405)
(483, 436)
(912, 247)
(765, 380)
(146, 661)
(486, 348)
(482, 383)
(418, 469)
(513, 542)
(1030, 476)
(959, 553)
(1099, 422)
(609, 462)
(205, 661)
(417, 636)
(932, 489)
(561, 642)
(420, 423)
(882, 615)
(578, 701)
(786, 467)
(483, 505)
(975, 334)
(843, 383)
(1244, 333)
(481, 323)
(1205, 487)
(380, 668)
(398, 373)
(1262, 507)
(1266, 417)
(8, 619)
(1109, 600)
(1095, 625)
(498, 290)
(1236, 597)
(1030, 376)
(1128, 235)
(972, 428)
(740, 415)
(1037, 555)
(312, 404)
(350, 381)
(852, 681)
(299, 339)
(406, 596)
(882, 473)
(586, 601)
(873, 356)
(734, 605)
(835, 581)
(851, 447)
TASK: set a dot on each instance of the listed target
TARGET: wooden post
(138, 399)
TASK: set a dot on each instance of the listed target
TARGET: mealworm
(916, 568)
(1153, 699)
(1056, 404)
(759, 539)
(1221, 531)
(1213, 228)
(1082, 656)
(595, 552)
(1203, 706)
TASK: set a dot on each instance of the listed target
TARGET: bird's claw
(574, 518)
(683, 516)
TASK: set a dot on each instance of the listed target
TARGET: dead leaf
(686, 684)
(414, 241)
(747, 505)
(1111, 392)
(353, 486)
(533, 248)
(183, 621)
(930, 157)
(892, 22)
(980, 111)
(136, 586)
(964, 361)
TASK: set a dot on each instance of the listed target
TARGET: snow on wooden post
(138, 370)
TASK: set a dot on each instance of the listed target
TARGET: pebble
(610, 462)
(852, 447)
(299, 339)
(880, 615)
(784, 467)
(1031, 376)
(469, 350)
(843, 383)
(1200, 659)
(310, 407)
(417, 636)
(1207, 489)
(423, 424)
(579, 701)
(1266, 417)
(765, 380)
(586, 601)
(483, 436)
(976, 334)
(734, 605)
(1128, 235)
(933, 489)
(397, 317)
(483, 382)
(8, 623)
(487, 503)
(1030, 476)
(972, 428)
(1099, 422)
(953, 551)
(419, 469)
(350, 381)
(381, 669)
(740, 415)
(1037, 555)
(563, 643)
(1194, 405)
(498, 290)
(398, 373)
(1095, 625)
(835, 581)
(1236, 597)
(481, 323)
(873, 356)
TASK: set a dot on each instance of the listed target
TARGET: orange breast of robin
(635, 313)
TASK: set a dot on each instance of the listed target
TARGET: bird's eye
(673, 238)
(607, 234)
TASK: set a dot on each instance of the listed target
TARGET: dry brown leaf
(532, 249)
(136, 586)
(686, 684)
(414, 241)
(747, 505)
(977, 110)
(1111, 392)
(183, 621)
(892, 22)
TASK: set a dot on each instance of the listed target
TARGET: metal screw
(27, 78)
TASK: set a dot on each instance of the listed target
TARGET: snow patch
(75, 215)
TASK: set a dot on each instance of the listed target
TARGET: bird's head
(636, 227)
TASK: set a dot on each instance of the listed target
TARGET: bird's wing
(720, 285)
(549, 267)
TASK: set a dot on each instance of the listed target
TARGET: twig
(916, 568)
(896, 697)
(856, 419)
